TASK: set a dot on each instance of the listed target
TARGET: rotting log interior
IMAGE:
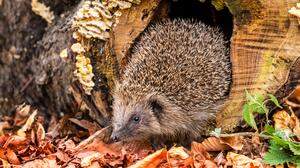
(265, 44)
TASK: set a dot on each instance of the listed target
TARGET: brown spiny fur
(178, 78)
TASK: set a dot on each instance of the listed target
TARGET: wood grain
(265, 44)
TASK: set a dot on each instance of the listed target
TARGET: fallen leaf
(5, 164)
(12, 157)
(235, 142)
(281, 121)
(242, 161)
(15, 140)
(99, 134)
(27, 125)
(178, 152)
(2, 154)
(91, 127)
(198, 150)
(46, 162)
(94, 165)
(62, 156)
(152, 160)
(87, 160)
(3, 125)
(40, 133)
(215, 144)
(295, 125)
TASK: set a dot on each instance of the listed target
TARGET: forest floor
(25, 142)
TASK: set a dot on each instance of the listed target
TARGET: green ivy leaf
(274, 100)
(248, 116)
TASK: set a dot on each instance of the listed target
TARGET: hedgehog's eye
(136, 119)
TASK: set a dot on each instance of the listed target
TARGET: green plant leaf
(274, 100)
(295, 148)
(277, 155)
(281, 142)
(269, 129)
(248, 116)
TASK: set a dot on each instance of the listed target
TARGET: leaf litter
(25, 142)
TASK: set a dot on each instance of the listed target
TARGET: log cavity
(202, 11)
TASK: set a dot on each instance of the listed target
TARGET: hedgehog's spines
(185, 66)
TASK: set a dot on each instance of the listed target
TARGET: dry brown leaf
(152, 160)
(94, 165)
(178, 152)
(91, 127)
(42, 10)
(281, 121)
(12, 157)
(3, 125)
(210, 164)
(46, 162)
(242, 161)
(295, 125)
(62, 156)
(92, 156)
(27, 125)
(87, 141)
(235, 142)
(214, 144)
(5, 164)
(2, 153)
(40, 133)
(22, 113)
(15, 140)
(198, 150)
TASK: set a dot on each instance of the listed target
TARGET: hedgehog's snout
(114, 138)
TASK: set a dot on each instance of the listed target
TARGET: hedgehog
(178, 78)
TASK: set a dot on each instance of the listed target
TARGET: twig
(292, 104)
(247, 134)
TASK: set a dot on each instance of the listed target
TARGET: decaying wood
(264, 46)
(109, 58)
(132, 22)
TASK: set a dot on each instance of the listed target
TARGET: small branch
(292, 104)
(247, 134)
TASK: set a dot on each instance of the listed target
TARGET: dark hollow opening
(202, 11)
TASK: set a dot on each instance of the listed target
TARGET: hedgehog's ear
(155, 104)
(156, 107)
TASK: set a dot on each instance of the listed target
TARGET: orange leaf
(281, 121)
(178, 151)
(214, 144)
(40, 133)
(88, 159)
(152, 160)
(198, 150)
(237, 160)
(235, 142)
(15, 140)
(27, 125)
(12, 157)
(295, 125)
